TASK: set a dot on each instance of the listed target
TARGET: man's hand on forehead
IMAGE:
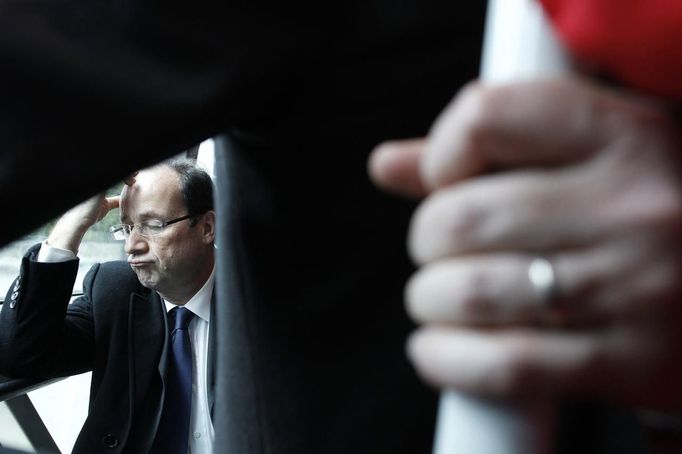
(130, 179)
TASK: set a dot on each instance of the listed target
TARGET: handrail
(14, 394)
(13, 387)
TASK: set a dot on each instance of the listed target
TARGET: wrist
(67, 235)
(54, 254)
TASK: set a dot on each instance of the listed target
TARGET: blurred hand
(584, 176)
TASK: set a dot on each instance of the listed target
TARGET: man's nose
(135, 242)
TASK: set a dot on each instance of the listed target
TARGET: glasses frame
(120, 229)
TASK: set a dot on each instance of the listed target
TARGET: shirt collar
(200, 303)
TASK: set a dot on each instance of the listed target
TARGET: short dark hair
(196, 186)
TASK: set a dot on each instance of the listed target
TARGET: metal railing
(14, 393)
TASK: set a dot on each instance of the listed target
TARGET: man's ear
(207, 222)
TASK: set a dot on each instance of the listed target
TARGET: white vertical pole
(518, 44)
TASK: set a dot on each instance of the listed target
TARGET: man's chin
(146, 280)
(149, 285)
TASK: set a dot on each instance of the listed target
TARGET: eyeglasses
(147, 229)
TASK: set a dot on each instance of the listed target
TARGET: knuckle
(473, 304)
(475, 107)
(480, 105)
(666, 209)
(646, 190)
(656, 196)
(446, 224)
(516, 373)
(659, 284)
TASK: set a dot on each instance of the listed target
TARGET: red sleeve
(637, 42)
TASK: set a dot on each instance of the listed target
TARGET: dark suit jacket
(117, 329)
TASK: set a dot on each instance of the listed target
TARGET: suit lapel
(147, 334)
(147, 341)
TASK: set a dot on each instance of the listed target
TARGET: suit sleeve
(41, 334)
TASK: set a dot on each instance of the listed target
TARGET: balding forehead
(155, 189)
(156, 172)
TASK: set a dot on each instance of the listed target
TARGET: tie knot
(182, 317)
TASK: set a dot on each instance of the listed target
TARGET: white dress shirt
(201, 433)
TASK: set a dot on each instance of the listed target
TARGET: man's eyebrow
(148, 215)
(145, 216)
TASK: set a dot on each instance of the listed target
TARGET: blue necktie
(172, 436)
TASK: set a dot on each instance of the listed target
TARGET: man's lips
(138, 263)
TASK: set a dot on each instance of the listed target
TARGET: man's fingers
(593, 286)
(523, 211)
(514, 362)
(113, 202)
(542, 123)
(629, 363)
(481, 290)
(522, 363)
(130, 179)
(394, 167)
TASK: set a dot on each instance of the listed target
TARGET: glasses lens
(150, 228)
(119, 232)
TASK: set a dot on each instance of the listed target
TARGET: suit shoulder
(117, 274)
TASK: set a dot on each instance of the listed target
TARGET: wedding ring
(543, 280)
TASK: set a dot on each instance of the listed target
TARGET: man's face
(176, 261)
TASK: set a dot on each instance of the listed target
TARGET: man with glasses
(142, 327)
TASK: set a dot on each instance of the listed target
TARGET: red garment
(638, 42)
